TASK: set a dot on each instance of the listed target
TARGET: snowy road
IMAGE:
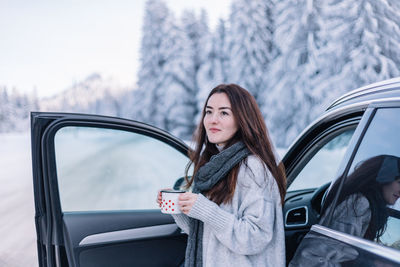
(17, 227)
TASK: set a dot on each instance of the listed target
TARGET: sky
(50, 45)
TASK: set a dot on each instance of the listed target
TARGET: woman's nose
(214, 118)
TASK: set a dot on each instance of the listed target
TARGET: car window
(320, 164)
(369, 196)
(108, 169)
(391, 236)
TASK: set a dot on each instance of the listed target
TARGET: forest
(294, 56)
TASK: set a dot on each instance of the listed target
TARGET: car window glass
(369, 195)
(322, 162)
(107, 169)
(382, 136)
(391, 235)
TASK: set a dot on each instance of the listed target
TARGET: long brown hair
(252, 131)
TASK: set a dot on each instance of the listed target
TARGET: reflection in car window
(361, 208)
(374, 182)
(382, 136)
(106, 169)
(321, 165)
(391, 236)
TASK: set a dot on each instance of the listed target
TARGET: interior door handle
(129, 234)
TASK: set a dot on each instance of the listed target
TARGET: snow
(17, 225)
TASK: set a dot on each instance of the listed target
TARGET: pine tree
(158, 49)
(216, 67)
(186, 72)
(292, 75)
(4, 110)
(251, 46)
(363, 45)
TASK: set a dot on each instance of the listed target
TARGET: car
(96, 177)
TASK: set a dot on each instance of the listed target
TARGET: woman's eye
(224, 113)
(208, 111)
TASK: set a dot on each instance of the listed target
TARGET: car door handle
(130, 234)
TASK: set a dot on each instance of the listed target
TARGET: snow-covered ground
(17, 226)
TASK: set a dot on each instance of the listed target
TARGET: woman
(233, 216)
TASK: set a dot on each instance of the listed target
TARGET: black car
(96, 178)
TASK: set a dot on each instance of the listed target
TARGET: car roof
(366, 94)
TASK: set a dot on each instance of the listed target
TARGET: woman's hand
(159, 197)
(186, 201)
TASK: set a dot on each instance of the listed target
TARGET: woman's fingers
(187, 196)
(159, 196)
(186, 202)
(158, 200)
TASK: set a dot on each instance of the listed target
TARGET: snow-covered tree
(216, 66)
(291, 95)
(250, 44)
(5, 109)
(186, 72)
(15, 108)
(158, 49)
(363, 45)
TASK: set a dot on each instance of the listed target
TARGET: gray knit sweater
(249, 230)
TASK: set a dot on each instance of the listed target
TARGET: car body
(96, 178)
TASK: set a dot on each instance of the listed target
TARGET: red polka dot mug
(169, 201)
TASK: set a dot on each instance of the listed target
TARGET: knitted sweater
(249, 230)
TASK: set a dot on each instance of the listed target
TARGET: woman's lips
(214, 130)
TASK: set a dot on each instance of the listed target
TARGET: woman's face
(219, 122)
(391, 192)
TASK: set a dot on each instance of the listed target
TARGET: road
(17, 227)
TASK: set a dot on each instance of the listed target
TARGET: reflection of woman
(361, 206)
(234, 214)
(360, 211)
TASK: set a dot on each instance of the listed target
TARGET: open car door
(95, 185)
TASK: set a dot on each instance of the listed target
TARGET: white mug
(169, 201)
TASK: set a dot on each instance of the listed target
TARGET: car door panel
(79, 235)
(326, 247)
(123, 239)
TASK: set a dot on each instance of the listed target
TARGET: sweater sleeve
(352, 216)
(250, 230)
(182, 220)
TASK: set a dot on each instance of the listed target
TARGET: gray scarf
(205, 178)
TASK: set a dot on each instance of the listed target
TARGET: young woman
(233, 216)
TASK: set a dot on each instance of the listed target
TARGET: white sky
(49, 45)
